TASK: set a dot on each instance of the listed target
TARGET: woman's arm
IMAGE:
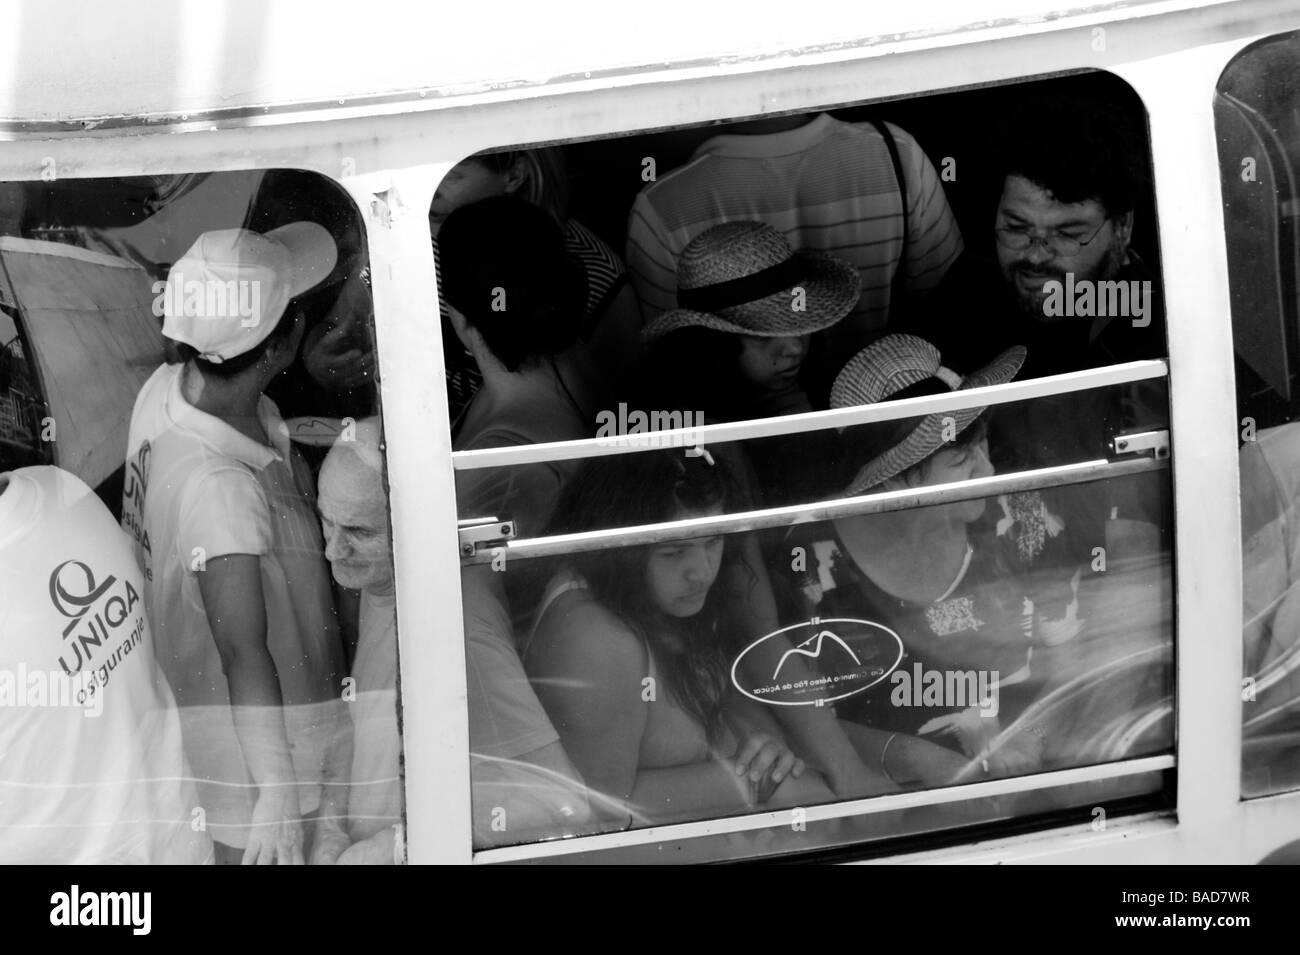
(331, 837)
(589, 670)
(231, 588)
(703, 789)
(907, 761)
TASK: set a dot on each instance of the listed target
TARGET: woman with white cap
(924, 572)
(222, 511)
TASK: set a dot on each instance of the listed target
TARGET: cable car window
(669, 623)
(1256, 122)
(186, 360)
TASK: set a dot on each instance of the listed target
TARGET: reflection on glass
(170, 322)
(1271, 622)
(829, 660)
(1255, 116)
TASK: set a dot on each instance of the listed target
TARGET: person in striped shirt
(825, 185)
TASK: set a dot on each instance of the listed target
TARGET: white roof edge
(214, 60)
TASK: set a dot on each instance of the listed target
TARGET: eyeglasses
(1018, 240)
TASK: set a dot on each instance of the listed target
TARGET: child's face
(954, 465)
(772, 364)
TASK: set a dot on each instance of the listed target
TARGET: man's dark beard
(1031, 305)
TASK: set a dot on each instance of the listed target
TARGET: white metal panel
(198, 55)
(422, 502)
(1203, 439)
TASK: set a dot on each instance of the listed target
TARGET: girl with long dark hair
(629, 653)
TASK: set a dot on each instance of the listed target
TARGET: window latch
(483, 533)
(1152, 443)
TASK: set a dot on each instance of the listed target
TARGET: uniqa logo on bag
(816, 662)
(97, 612)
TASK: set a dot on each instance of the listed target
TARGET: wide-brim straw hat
(904, 363)
(742, 277)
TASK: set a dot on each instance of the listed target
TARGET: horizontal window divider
(855, 807)
(691, 437)
(642, 534)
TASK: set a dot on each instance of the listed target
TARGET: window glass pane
(915, 648)
(193, 363)
(607, 274)
(1256, 122)
(757, 269)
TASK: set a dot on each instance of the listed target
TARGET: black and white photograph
(578, 433)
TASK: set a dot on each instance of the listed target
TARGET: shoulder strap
(898, 288)
(559, 585)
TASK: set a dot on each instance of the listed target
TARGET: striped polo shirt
(829, 186)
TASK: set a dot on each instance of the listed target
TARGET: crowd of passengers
(792, 265)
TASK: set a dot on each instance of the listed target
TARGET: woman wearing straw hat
(748, 306)
(924, 572)
(735, 348)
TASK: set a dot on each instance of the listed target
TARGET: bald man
(523, 783)
(362, 809)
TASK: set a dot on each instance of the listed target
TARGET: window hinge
(1152, 443)
(482, 533)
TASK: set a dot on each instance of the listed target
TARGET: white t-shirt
(195, 490)
(375, 787)
(76, 787)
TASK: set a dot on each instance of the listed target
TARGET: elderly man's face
(355, 524)
(1028, 207)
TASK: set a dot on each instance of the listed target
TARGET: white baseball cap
(228, 292)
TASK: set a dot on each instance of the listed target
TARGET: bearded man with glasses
(1065, 220)
(1070, 188)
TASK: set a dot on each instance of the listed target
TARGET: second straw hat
(904, 366)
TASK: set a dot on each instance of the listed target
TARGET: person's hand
(853, 780)
(275, 836)
(377, 850)
(330, 843)
(1016, 756)
(335, 355)
(766, 761)
(919, 762)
